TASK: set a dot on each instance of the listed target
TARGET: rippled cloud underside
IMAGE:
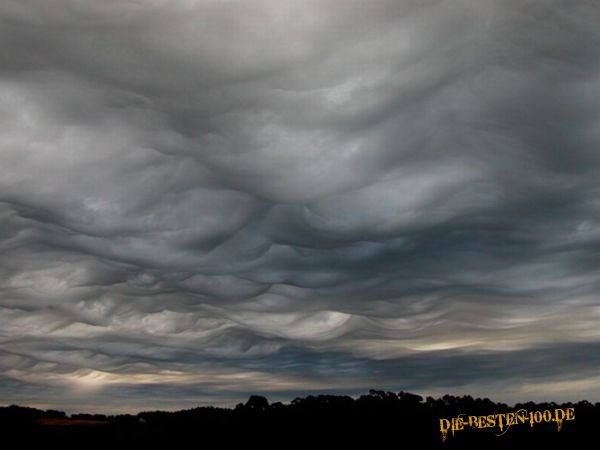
(200, 200)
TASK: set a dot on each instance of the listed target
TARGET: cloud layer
(204, 199)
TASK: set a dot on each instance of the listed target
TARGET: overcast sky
(205, 199)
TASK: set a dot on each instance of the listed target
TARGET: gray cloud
(203, 199)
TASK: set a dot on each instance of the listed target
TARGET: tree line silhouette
(404, 419)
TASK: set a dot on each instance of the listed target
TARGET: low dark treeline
(405, 420)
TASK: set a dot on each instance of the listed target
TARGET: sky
(206, 199)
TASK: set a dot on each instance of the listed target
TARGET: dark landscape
(376, 418)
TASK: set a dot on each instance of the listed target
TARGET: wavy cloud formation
(204, 199)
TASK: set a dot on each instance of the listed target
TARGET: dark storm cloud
(203, 199)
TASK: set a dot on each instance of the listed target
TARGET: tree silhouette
(373, 420)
